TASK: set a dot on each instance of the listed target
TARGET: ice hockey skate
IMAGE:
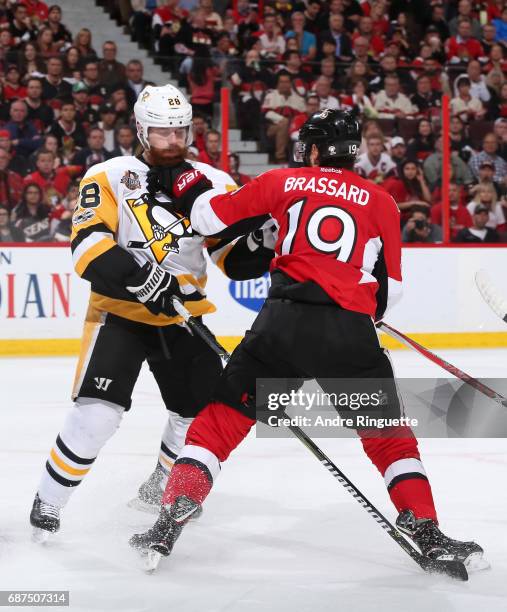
(45, 519)
(437, 546)
(158, 541)
(149, 496)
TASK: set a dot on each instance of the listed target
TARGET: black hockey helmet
(335, 133)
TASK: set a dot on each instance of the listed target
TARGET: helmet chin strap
(312, 157)
(142, 138)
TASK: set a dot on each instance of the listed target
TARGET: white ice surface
(279, 534)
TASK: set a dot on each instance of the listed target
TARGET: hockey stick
(473, 382)
(134, 244)
(491, 295)
(454, 569)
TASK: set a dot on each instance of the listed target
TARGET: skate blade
(151, 561)
(476, 562)
(142, 506)
(40, 536)
(446, 567)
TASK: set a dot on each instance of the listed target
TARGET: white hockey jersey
(375, 172)
(116, 220)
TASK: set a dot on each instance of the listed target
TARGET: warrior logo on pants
(102, 383)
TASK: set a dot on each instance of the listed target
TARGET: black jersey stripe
(87, 231)
(406, 476)
(202, 466)
(60, 479)
(168, 452)
(219, 245)
(70, 455)
(112, 269)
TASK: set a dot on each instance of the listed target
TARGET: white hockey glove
(158, 232)
(155, 288)
(265, 236)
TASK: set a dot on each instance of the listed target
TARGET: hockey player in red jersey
(336, 267)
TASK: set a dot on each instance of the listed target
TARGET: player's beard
(173, 155)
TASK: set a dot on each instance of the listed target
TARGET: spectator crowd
(65, 105)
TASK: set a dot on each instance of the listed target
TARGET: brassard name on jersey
(328, 186)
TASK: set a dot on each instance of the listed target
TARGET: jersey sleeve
(95, 253)
(240, 259)
(235, 213)
(389, 272)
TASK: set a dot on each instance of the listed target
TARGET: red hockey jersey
(334, 226)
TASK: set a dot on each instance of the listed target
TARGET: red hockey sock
(190, 478)
(414, 494)
(395, 454)
(214, 433)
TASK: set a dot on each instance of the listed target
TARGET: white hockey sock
(173, 440)
(88, 426)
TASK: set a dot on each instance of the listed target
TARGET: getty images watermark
(431, 407)
(353, 401)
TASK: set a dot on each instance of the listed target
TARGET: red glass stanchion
(446, 170)
(224, 110)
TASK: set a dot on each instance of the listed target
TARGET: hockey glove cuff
(182, 183)
(265, 236)
(155, 288)
(187, 188)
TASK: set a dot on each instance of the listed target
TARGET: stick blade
(453, 569)
(134, 244)
(490, 294)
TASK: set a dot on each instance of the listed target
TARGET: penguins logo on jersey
(160, 225)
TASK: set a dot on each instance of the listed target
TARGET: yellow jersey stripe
(65, 467)
(107, 209)
(134, 311)
(218, 257)
(168, 463)
(103, 245)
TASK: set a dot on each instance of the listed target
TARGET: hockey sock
(87, 427)
(214, 433)
(192, 475)
(173, 440)
(395, 454)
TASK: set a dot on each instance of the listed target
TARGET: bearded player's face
(167, 145)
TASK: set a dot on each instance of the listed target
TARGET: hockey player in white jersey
(138, 255)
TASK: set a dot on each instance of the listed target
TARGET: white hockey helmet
(162, 106)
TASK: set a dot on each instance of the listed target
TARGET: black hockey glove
(155, 288)
(161, 178)
(182, 183)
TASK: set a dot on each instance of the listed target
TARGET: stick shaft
(452, 369)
